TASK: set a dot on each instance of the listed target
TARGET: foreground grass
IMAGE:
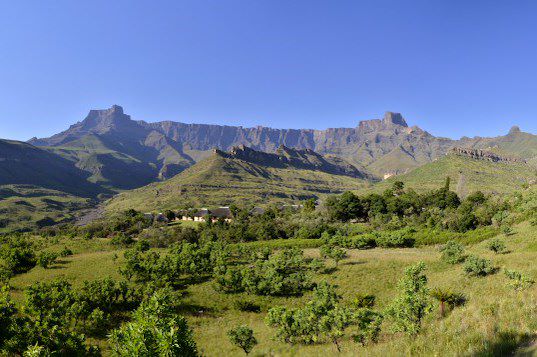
(495, 320)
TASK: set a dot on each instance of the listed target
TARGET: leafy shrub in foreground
(449, 298)
(497, 246)
(46, 259)
(154, 331)
(410, 307)
(243, 337)
(323, 318)
(247, 306)
(475, 266)
(452, 252)
(518, 280)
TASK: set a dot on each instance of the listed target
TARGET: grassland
(221, 181)
(496, 320)
(467, 176)
(24, 207)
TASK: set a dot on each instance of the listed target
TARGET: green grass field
(495, 320)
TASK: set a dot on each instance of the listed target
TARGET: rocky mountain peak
(391, 118)
(105, 118)
(514, 130)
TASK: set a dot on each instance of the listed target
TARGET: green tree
(243, 337)
(154, 331)
(413, 303)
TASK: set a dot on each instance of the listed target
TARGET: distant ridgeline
(484, 155)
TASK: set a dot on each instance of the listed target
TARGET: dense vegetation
(157, 286)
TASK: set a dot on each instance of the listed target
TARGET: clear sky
(452, 67)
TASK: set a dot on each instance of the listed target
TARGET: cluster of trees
(283, 273)
(397, 207)
(324, 319)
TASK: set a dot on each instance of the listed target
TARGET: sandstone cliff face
(382, 146)
(285, 157)
(484, 155)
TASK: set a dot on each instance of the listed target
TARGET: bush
(475, 266)
(65, 252)
(449, 298)
(518, 280)
(247, 306)
(497, 246)
(46, 259)
(363, 301)
(397, 239)
(452, 252)
(154, 331)
(333, 252)
(243, 337)
(413, 303)
(121, 240)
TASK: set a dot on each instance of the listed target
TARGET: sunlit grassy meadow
(496, 320)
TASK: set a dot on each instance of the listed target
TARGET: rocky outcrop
(478, 154)
(285, 157)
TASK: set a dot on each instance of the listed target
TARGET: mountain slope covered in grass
(225, 178)
(467, 175)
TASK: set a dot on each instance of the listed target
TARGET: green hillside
(467, 175)
(220, 180)
(26, 207)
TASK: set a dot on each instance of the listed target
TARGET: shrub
(363, 301)
(121, 240)
(368, 324)
(333, 252)
(154, 331)
(242, 337)
(475, 266)
(452, 252)
(413, 303)
(518, 280)
(247, 306)
(397, 239)
(449, 298)
(46, 259)
(65, 252)
(497, 246)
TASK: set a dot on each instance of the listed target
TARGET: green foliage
(518, 280)
(16, 256)
(247, 306)
(363, 301)
(333, 252)
(497, 246)
(323, 318)
(475, 266)
(413, 303)
(242, 337)
(155, 330)
(398, 239)
(452, 252)
(449, 298)
(46, 259)
(284, 273)
(65, 252)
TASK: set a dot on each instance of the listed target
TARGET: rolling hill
(246, 176)
(468, 173)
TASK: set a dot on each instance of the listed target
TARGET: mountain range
(108, 152)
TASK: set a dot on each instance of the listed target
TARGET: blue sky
(452, 67)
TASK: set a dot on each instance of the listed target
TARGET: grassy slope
(467, 175)
(24, 205)
(493, 316)
(222, 181)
